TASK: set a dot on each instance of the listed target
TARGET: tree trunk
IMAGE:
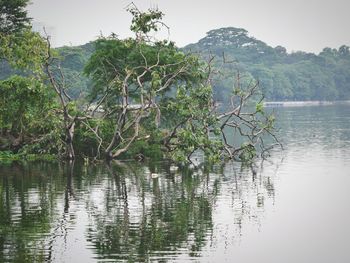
(115, 141)
(70, 155)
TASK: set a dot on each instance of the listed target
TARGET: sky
(306, 25)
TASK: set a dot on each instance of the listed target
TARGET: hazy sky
(308, 25)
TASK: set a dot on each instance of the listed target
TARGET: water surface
(294, 207)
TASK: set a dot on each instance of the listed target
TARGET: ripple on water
(57, 213)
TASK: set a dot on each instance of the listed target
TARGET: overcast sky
(307, 25)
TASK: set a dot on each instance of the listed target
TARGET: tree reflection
(138, 217)
(135, 212)
(30, 198)
(25, 213)
(250, 186)
(150, 215)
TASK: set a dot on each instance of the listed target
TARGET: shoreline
(304, 103)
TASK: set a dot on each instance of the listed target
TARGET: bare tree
(57, 81)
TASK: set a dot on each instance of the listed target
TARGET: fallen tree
(151, 91)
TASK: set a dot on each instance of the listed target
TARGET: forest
(296, 76)
(283, 76)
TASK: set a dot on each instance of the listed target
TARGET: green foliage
(85, 140)
(282, 76)
(13, 16)
(22, 101)
(159, 73)
(169, 76)
(114, 59)
(72, 63)
(19, 46)
(27, 120)
(154, 98)
(191, 107)
(72, 60)
(145, 22)
(155, 94)
(259, 107)
(248, 152)
(27, 116)
(24, 50)
(7, 157)
(144, 149)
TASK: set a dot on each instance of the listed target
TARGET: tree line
(282, 75)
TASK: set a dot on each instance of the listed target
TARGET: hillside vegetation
(282, 75)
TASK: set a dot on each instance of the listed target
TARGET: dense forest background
(282, 75)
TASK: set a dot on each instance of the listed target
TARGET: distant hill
(73, 63)
(282, 75)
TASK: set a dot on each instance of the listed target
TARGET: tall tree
(27, 120)
(19, 46)
(13, 16)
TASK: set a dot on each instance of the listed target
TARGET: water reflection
(155, 212)
(327, 127)
(26, 211)
(137, 215)
(122, 211)
(246, 192)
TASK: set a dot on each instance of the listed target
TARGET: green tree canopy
(152, 91)
(13, 16)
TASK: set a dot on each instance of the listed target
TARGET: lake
(293, 207)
